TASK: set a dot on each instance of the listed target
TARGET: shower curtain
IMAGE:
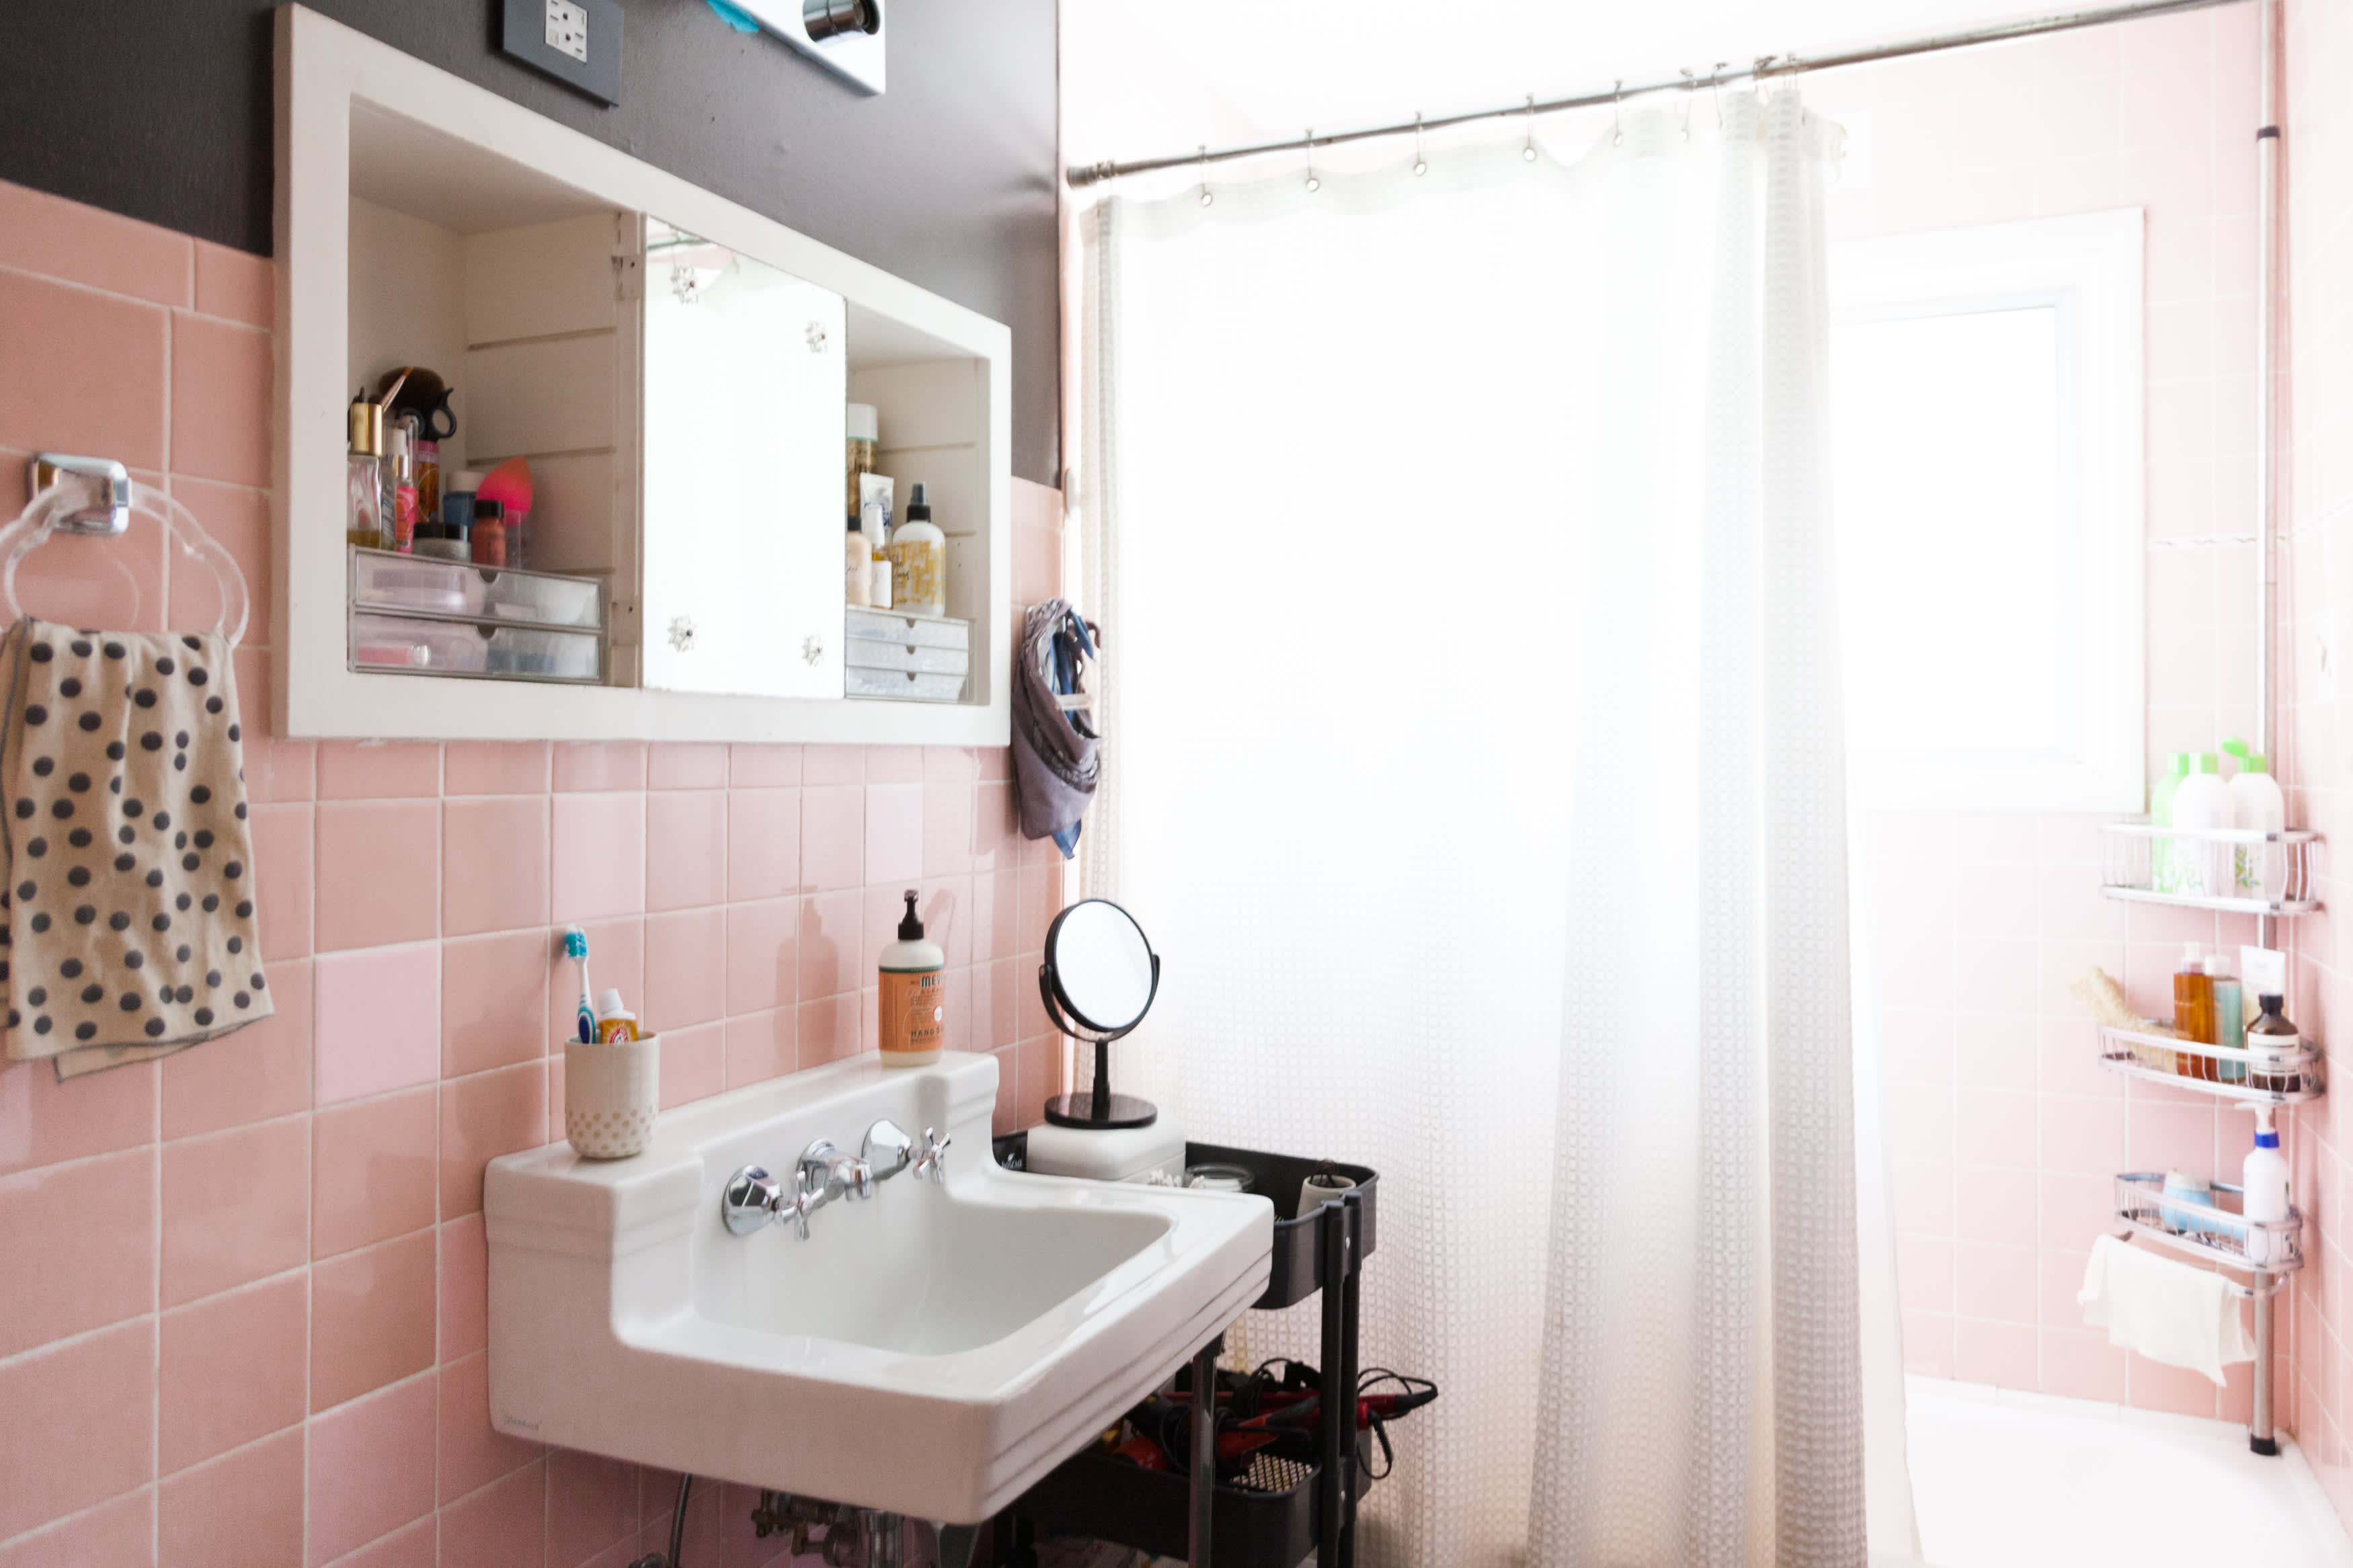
(1460, 537)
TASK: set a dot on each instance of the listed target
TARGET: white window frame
(2089, 265)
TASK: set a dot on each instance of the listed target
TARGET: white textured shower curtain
(1462, 550)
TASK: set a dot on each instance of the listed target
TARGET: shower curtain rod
(1079, 176)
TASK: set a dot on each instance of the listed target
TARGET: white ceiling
(1145, 78)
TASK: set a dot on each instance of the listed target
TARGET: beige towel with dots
(129, 891)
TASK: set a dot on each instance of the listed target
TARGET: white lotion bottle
(2265, 1179)
(2203, 802)
(2259, 870)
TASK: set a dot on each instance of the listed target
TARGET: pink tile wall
(242, 1321)
(2005, 1131)
(2316, 501)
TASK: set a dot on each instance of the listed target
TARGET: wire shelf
(2227, 1072)
(2214, 1232)
(2264, 873)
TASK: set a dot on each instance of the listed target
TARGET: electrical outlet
(567, 29)
(577, 42)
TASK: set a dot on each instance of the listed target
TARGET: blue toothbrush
(576, 948)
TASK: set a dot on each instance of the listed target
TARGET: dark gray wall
(160, 110)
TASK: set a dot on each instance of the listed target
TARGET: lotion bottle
(2163, 856)
(913, 1009)
(2265, 1182)
(2258, 870)
(919, 560)
(2203, 801)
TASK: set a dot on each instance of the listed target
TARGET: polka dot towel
(130, 885)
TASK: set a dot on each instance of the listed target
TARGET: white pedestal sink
(932, 1351)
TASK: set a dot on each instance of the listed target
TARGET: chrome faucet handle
(829, 1174)
(887, 1149)
(932, 1164)
(806, 1200)
(753, 1200)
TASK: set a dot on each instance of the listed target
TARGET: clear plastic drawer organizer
(909, 658)
(413, 614)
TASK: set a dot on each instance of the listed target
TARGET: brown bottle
(2193, 1013)
(2272, 1036)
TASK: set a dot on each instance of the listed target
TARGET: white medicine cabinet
(673, 367)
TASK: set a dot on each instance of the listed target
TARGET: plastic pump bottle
(919, 559)
(2259, 870)
(915, 995)
(2163, 859)
(2265, 1179)
(2203, 802)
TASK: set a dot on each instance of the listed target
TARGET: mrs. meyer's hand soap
(915, 995)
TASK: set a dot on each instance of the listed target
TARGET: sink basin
(932, 1351)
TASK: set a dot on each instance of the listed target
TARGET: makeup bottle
(401, 441)
(857, 566)
(2230, 1017)
(915, 995)
(865, 430)
(489, 541)
(363, 517)
(2193, 1012)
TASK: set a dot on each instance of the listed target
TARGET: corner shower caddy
(2216, 1233)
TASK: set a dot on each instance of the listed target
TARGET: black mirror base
(1119, 1110)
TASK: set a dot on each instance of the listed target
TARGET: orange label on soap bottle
(915, 1010)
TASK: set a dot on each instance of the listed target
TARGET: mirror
(744, 389)
(1100, 968)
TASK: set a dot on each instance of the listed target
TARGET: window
(1985, 470)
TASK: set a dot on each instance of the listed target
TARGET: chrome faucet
(824, 1174)
(889, 1151)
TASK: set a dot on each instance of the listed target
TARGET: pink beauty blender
(509, 484)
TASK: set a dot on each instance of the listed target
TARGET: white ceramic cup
(612, 1094)
(1312, 1191)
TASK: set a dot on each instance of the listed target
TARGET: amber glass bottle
(2193, 1013)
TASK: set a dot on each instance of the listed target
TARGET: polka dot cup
(611, 1096)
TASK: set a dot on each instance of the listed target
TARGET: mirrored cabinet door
(744, 386)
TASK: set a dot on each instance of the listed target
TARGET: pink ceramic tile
(945, 905)
(103, 583)
(378, 864)
(1007, 1115)
(2151, 1386)
(1995, 1127)
(2003, 1284)
(376, 1021)
(1040, 1062)
(502, 1524)
(240, 520)
(762, 1045)
(261, 1071)
(465, 1274)
(473, 1452)
(951, 764)
(592, 1504)
(600, 765)
(240, 1510)
(494, 874)
(833, 943)
(104, 1273)
(764, 843)
(894, 833)
(284, 879)
(693, 1063)
(947, 828)
(617, 958)
(1037, 564)
(996, 762)
(762, 955)
(686, 848)
(2080, 1363)
(1041, 901)
(996, 915)
(2000, 1353)
(83, 373)
(370, 1468)
(220, 400)
(372, 1170)
(90, 246)
(43, 1121)
(686, 969)
(81, 1427)
(495, 767)
(833, 837)
(235, 1208)
(378, 770)
(372, 1316)
(894, 764)
(673, 764)
(763, 768)
(494, 1001)
(1037, 504)
(232, 1370)
(833, 764)
(482, 1117)
(1002, 1006)
(598, 857)
(234, 285)
(2082, 1136)
(828, 1030)
(1923, 1194)
(275, 770)
(2160, 1136)
(121, 1535)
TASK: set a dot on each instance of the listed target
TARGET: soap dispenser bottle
(2203, 802)
(2264, 1190)
(913, 1004)
(2258, 870)
(919, 559)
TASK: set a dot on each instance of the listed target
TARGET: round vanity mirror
(1100, 967)
(1098, 981)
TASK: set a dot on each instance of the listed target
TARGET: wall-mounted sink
(932, 1351)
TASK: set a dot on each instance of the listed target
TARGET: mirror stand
(1099, 1108)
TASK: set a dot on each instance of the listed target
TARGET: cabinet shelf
(2250, 1078)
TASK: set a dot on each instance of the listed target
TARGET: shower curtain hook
(1314, 184)
(1207, 199)
(1690, 86)
(1716, 91)
(1528, 146)
(1617, 125)
(1421, 165)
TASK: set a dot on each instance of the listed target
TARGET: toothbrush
(576, 948)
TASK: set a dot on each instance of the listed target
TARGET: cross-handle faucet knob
(932, 1164)
(753, 1201)
(887, 1149)
(828, 1173)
